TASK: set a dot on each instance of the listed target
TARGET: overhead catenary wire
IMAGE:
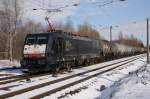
(100, 5)
(41, 4)
(37, 4)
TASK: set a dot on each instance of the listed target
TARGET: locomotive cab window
(42, 40)
(36, 40)
(30, 40)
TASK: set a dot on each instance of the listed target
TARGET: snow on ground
(90, 89)
(136, 86)
(6, 68)
(36, 80)
(59, 84)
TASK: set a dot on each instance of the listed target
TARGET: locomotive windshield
(36, 40)
(41, 40)
(30, 40)
(35, 44)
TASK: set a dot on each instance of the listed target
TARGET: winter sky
(127, 16)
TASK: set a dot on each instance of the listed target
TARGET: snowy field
(91, 89)
(6, 64)
(111, 85)
(136, 86)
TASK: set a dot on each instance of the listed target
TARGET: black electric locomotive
(55, 50)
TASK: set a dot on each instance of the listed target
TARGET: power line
(33, 3)
(102, 4)
(44, 3)
(37, 3)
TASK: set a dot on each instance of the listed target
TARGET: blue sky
(123, 14)
(113, 14)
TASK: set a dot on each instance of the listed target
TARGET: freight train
(55, 50)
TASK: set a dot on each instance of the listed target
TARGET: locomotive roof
(62, 34)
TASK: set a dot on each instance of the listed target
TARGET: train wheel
(91, 62)
(57, 69)
(68, 68)
(87, 62)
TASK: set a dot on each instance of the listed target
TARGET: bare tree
(68, 27)
(33, 27)
(11, 15)
(5, 28)
(131, 41)
(58, 26)
(87, 30)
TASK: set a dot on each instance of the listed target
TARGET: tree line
(130, 40)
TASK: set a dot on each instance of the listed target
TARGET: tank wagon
(55, 50)
(117, 50)
(106, 48)
(122, 50)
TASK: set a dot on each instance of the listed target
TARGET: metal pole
(110, 34)
(148, 41)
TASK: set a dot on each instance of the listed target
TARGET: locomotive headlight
(25, 55)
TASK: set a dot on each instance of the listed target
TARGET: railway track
(93, 73)
(10, 79)
(19, 78)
